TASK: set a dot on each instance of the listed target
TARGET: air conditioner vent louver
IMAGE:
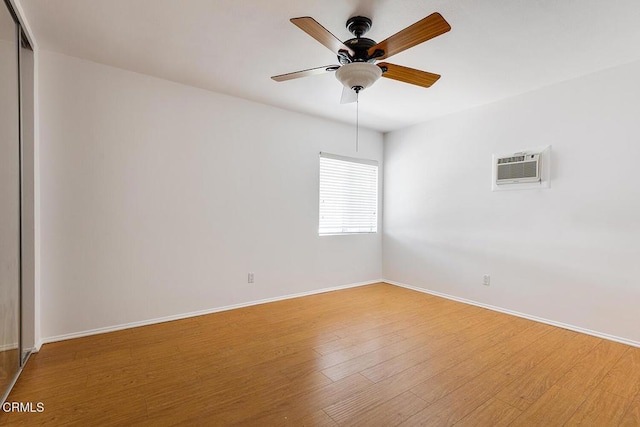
(511, 159)
(518, 168)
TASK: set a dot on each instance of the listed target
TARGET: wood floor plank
(389, 413)
(537, 381)
(493, 412)
(438, 322)
(461, 402)
(536, 330)
(589, 371)
(317, 419)
(472, 364)
(553, 408)
(301, 405)
(536, 353)
(447, 381)
(624, 378)
(345, 343)
(359, 363)
(388, 388)
(601, 408)
(395, 365)
(632, 417)
(322, 362)
(376, 394)
(371, 355)
(345, 354)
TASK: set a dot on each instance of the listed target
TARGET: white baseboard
(10, 346)
(14, 346)
(195, 313)
(31, 350)
(518, 314)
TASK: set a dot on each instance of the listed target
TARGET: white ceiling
(496, 48)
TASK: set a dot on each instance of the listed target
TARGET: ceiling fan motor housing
(360, 47)
(358, 26)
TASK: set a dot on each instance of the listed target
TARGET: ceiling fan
(358, 56)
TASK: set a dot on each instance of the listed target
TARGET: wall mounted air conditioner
(518, 168)
(524, 170)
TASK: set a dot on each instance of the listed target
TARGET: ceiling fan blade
(305, 73)
(348, 96)
(423, 30)
(321, 34)
(408, 75)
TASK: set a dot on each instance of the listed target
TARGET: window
(348, 195)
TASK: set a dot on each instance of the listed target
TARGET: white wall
(569, 254)
(157, 199)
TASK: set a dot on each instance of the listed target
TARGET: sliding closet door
(27, 127)
(9, 201)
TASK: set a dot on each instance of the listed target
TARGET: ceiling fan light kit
(358, 75)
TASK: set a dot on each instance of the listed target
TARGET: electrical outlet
(486, 280)
(250, 278)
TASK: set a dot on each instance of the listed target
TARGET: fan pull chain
(357, 118)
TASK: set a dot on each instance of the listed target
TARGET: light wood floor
(376, 355)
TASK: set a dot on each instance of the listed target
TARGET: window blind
(348, 195)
